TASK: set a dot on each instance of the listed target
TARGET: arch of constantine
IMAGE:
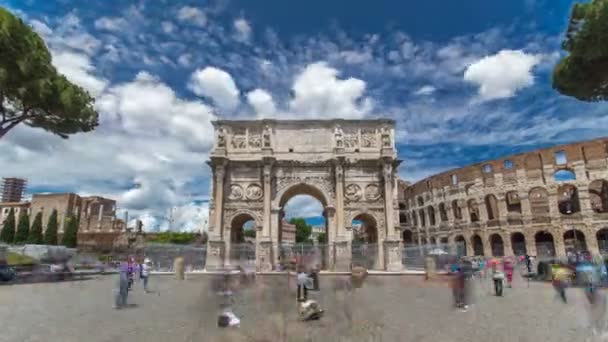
(347, 165)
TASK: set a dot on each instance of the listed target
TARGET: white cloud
(41, 28)
(356, 57)
(319, 93)
(168, 27)
(262, 103)
(192, 15)
(425, 90)
(216, 84)
(242, 29)
(303, 206)
(77, 68)
(503, 74)
(111, 24)
(185, 60)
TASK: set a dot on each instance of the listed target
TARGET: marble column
(216, 245)
(391, 251)
(342, 252)
(265, 252)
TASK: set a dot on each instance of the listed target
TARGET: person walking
(561, 279)
(123, 286)
(145, 273)
(528, 263)
(509, 266)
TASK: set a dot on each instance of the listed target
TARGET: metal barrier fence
(414, 256)
(163, 256)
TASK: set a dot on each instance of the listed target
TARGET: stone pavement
(387, 308)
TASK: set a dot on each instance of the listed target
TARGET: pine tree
(35, 236)
(70, 234)
(8, 228)
(23, 229)
(50, 234)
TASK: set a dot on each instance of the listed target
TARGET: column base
(342, 256)
(264, 256)
(216, 254)
(392, 256)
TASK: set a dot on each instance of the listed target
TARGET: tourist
(498, 279)
(123, 286)
(561, 279)
(130, 272)
(302, 280)
(144, 273)
(508, 267)
(528, 263)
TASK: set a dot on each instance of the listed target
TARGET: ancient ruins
(348, 165)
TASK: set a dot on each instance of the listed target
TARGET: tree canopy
(23, 228)
(8, 228)
(583, 73)
(303, 230)
(70, 234)
(35, 236)
(50, 234)
(32, 91)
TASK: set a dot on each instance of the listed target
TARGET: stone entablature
(348, 165)
(558, 189)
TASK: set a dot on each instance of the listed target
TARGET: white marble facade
(348, 165)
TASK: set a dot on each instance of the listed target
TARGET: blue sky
(466, 81)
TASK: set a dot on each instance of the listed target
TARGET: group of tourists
(127, 273)
(498, 269)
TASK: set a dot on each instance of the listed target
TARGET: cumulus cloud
(303, 206)
(77, 67)
(216, 84)
(425, 90)
(262, 103)
(168, 27)
(242, 29)
(110, 24)
(356, 57)
(192, 15)
(319, 93)
(503, 74)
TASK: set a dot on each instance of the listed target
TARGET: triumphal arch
(348, 165)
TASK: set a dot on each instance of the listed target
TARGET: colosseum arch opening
(431, 211)
(545, 246)
(518, 243)
(575, 241)
(539, 204)
(443, 215)
(491, 207)
(602, 240)
(598, 195)
(568, 201)
(473, 210)
(461, 245)
(513, 202)
(456, 210)
(257, 165)
(498, 247)
(477, 243)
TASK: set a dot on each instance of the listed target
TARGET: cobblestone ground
(387, 308)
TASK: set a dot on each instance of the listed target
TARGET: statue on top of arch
(385, 137)
(339, 136)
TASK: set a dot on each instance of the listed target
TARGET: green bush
(8, 228)
(14, 259)
(23, 229)
(174, 237)
(50, 234)
(35, 236)
(70, 235)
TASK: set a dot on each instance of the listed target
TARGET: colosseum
(547, 202)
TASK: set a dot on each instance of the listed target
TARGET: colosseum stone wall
(546, 203)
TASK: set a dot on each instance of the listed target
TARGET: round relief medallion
(236, 192)
(372, 192)
(254, 192)
(352, 192)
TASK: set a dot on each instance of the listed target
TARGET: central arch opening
(242, 240)
(303, 227)
(364, 246)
